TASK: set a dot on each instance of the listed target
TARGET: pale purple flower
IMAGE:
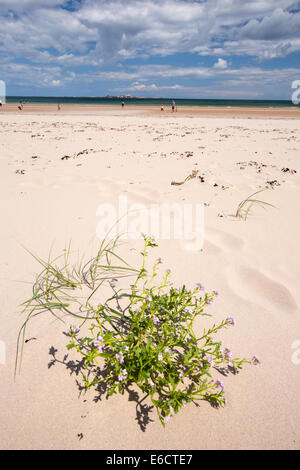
(208, 301)
(230, 321)
(159, 261)
(126, 348)
(184, 403)
(123, 375)
(152, 241)
(74, 329)
(155, 320)
(255, 361)
(215, 292)
(210, 360)
(181, 374)
(151, 383)
(160, 357)
(135, 308)
(171, 410)
(120, 357)
(167, 418)
(199, 286)
(149, 298)
(220, 384)
(227, 353)
(168, 351)
(188, 310)
(168, 271)
(98, 343)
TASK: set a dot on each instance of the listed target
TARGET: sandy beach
(57, 168)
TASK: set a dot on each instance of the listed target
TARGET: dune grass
(56, 289)
(245, 206)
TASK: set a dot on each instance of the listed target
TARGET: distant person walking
(20, 107)
(173, 106)
(123, 104)
(59, 107)
(1, 105)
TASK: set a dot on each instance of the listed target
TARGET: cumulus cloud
(58, 38)
(120, 30)
(279, 25)
(221, 64)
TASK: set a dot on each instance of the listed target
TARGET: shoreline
(183, 111)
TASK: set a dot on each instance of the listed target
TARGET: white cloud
(151, 87)
(279, 25)
(221, 64)
(53, 41)
(118, 30)
(142, 86)
(19, 6)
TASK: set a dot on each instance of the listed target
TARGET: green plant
(151, 340)
(245, 206)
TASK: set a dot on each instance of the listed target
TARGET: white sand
(253, 264)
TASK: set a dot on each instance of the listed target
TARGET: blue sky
(166, 48)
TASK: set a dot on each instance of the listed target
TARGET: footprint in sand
(211, 248)
(224, 240)
(252, 284)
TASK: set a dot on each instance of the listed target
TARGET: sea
(150, 101)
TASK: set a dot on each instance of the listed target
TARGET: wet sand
(183, 111)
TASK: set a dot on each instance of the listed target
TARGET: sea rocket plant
(156, 346)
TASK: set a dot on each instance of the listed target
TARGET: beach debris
(29, 339)
(80, 436)
(222, 186)
(189, 177)
(20, 172)
(258, 166)
(82, 152)
(288, 170)
(34, 156)
(273, 183)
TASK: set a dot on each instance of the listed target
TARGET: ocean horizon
(136, 101)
